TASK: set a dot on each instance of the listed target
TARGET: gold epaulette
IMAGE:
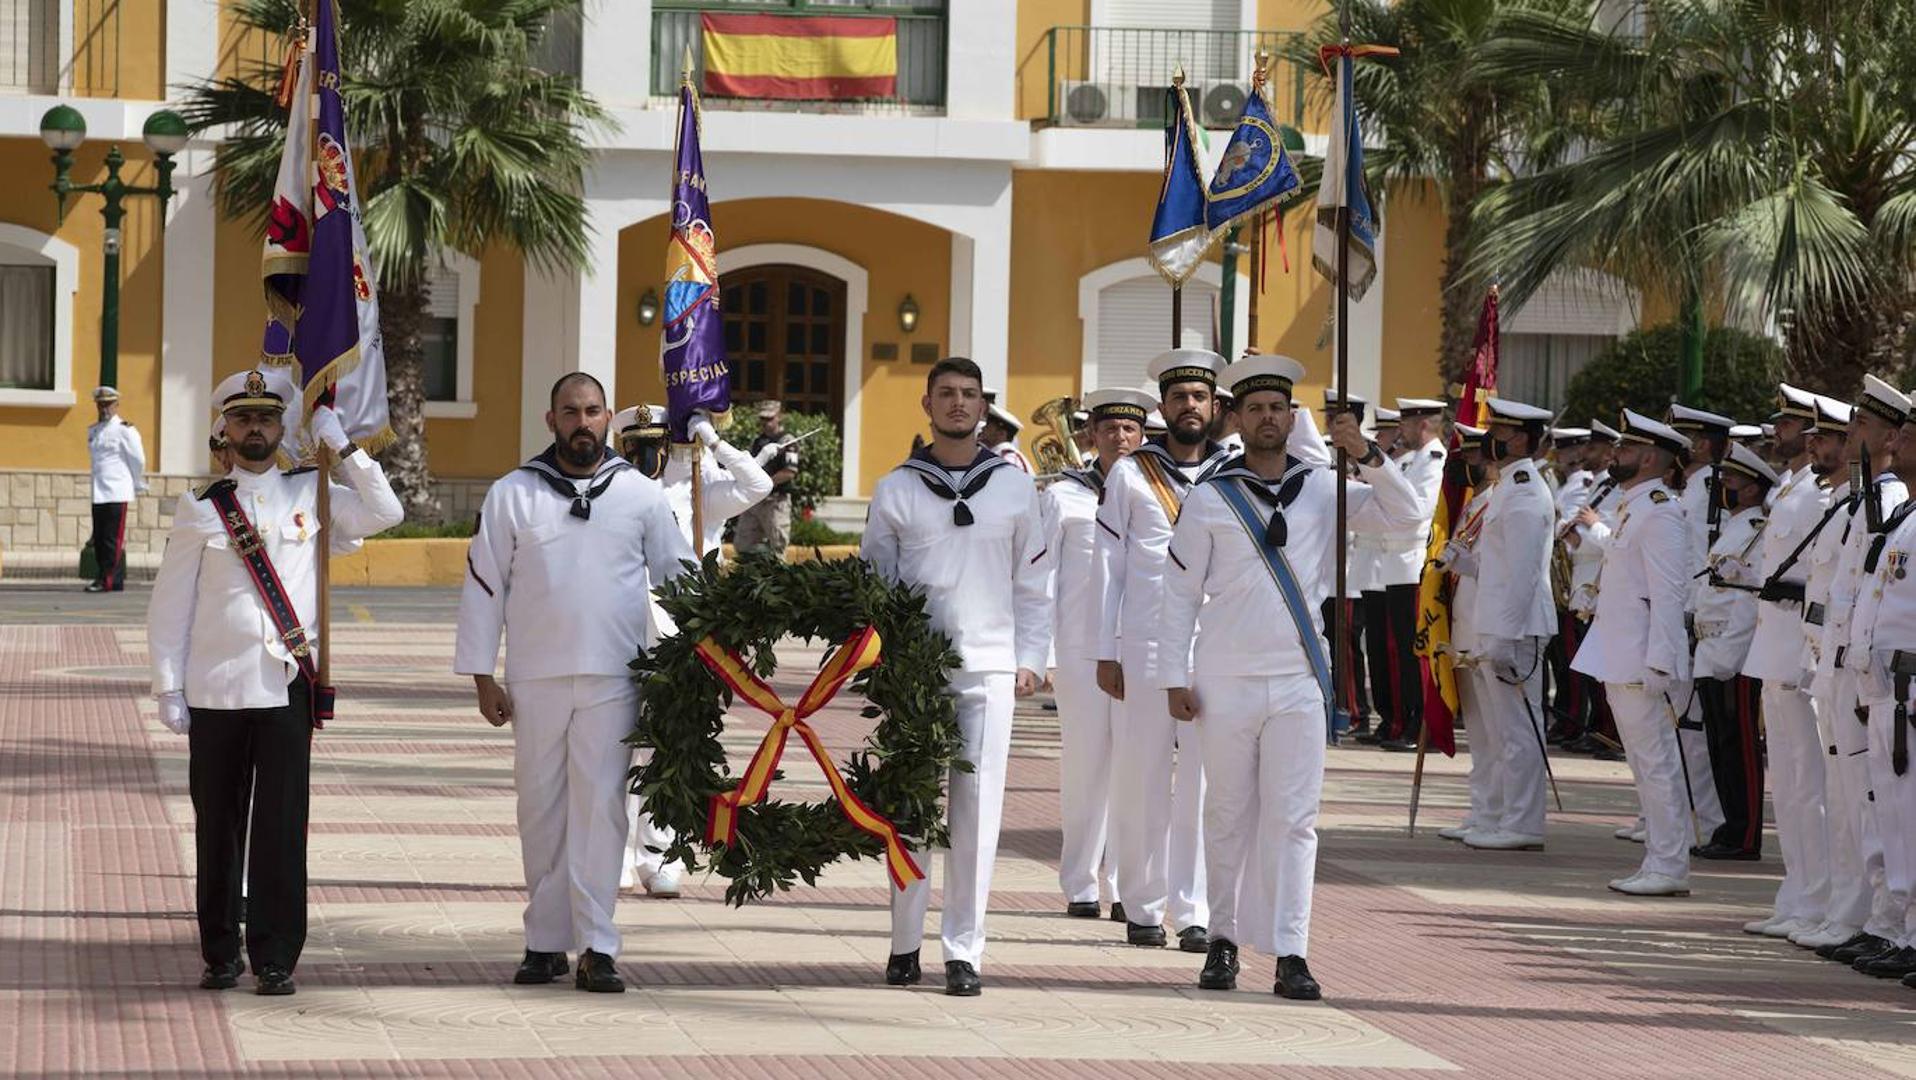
(1659, 496)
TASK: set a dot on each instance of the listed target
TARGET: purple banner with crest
(692, 349)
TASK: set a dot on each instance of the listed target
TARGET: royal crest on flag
(1179, 236)
(692, 349)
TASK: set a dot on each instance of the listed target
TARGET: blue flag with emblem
(1289, 588)
(1179, 236)
(1255, 173)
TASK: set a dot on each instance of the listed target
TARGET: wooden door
(785, 338)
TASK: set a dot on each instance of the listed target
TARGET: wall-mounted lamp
(648, 308)
(908, 314)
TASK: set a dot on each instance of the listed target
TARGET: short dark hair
(571, 377)
(954, 365)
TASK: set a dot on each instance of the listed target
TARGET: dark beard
(1622, 473)
(1194, 438)
(256, 453)
(581, 459)
(959, 433)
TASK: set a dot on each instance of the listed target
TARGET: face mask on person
(1623, 473)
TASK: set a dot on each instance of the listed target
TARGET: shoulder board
(224, 483)
(1520, 476)
(1659, 496)
(128, 423)
(302, 469)
(1758, 522)
(1438, 454)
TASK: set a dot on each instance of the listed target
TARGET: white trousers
(1852, 900)
(1486, 751)
(1515, 711)
(1796, 793)
(974, 809)
(1894, 803)
(645, 838)
(569, 767)
(1158, 815)
(1650, 742)
(1696, 768)
(1087, 728)
(1263, 740)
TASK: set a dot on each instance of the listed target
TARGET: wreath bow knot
(859, 652)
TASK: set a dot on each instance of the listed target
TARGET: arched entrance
(785, 337)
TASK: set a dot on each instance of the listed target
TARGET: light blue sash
(1287, 587)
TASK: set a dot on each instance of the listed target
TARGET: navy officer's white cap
(1638, 428)
(1750, 463)
(1884, 400)
(1331, 398)
(1832, 416)
(256, 388)
(1120, 403)
(1469, 438)
(999, 414)
(1793, 401)
(1746, 431)
(1506, 411)
(1264, 372)
(1417, 406)
(1601, 430)
(1387, 417)
(1569, 436)
(1769, 430)
(640, 422)
(1687, 419)
(1185, 365)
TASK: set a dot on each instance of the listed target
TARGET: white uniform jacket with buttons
(734, 483)
(1250, 630)
(119, 460)
(1696, 518)
(1869, 578)
(1513, 557)
(1726, 613)
(984, 582)
(1586, 558)
(1822, 556)
(1646, 577)
(1840, 627)
(569, 594)
(1776, 645)
(1399, 552)
(1887, 610)
(1463, 570)
(1070, 506)
(207, 630)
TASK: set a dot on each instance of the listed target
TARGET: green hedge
(821, 457)
(1639, 371)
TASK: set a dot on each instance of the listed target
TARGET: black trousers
(259, 758)
(1383, 691)
(1348, 659)
(1391, 641)
(109, 544)
(1730, 709)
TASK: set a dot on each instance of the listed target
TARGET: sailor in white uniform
(1638, 648)
(565, 544)
(962, 523)
(1709, 436)
(1571, 447)
(1252, 557)
(1459, 560)
(1088, 720)
(1000, 433)
(119, 473)
(733, 482)
(1583, 532)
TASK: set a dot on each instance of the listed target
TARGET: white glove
(701, 429)
(327, 429)
(765, 454)
(173, 712)
(1659, 685)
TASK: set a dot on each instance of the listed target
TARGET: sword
(1537, 730)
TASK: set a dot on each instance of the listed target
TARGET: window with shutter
(1134, 325)
(440, 335)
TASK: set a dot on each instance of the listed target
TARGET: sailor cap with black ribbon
(257, 388)
(1792, 401)
(1601, 430)
(1687, 420)
(1569, 436)
(1746, 461)
(1884, 400)
(1411, 408)
(1744, 432)
(1185, 365)
(1120, 403)
(1272, 372)
(1470, 438)
(1638, 428)
(1506, 411)
(1004, 417)
(1832, 416)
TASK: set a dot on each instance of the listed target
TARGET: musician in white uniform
(1638, 648)
(1459, 559)
(1000, 433)
(1088, 720)
(228, 632)
(1252, 556)
(1158, 822)
(119, 466)
(964, 524)
(566, 546)
(1584, 531)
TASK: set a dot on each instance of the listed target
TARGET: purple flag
(693, 348)
(326, 338)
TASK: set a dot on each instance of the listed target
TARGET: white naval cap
(1185, 365)
(1792, 401)
(1154, 423)
(1746, 431)
(1601, 430)
(1687, 420)
(1470, 438)
(992, 394)
(1884, 400)
(1387, 417)
(1416, 406)
(105, 393)
(1749, 463)
(256, 388)
(1120, 403)
(1004, 417)
(1638, 428)
(1271, 371)
(1569, 436)
(1506, 411)
(1768, 430)
(1832, 416)
(640, 422)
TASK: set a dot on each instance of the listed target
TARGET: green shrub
(412, 530)
(1640, 371)
(821, 457)
(809, 532)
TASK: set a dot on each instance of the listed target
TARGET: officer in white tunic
(229, 629)
(1638, 648)
(1513, 618)
(1001, 434)
(1459, 559)
(964, 524)
(1709, 436)
(1252, 557)
(565, 545)
(732, 482)
(119, 466)
(1584, 531)
(1087, 719)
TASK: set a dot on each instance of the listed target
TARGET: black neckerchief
(969, 482)
(1092, 478)
(546, 467)
(1277, 495)
(1214, 456)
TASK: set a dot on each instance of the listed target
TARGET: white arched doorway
(1126, 311)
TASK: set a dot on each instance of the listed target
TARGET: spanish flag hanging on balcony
(800, 57)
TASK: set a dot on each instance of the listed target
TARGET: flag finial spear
(1262, 72)
(685, 67)
(1177, 76)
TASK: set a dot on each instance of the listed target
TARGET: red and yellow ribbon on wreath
(861, 651)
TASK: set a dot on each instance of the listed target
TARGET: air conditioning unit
(1219, 104)
(1096, 104)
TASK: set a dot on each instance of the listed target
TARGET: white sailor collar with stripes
(1214, 456)
(956, 485)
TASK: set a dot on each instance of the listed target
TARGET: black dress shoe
(1083, 909)
(902, 969)
(222, 976)
(597, 975)
(1194, 939)
(273, 981)
(1605, 753)
(1138, 934)
(961, 979)
(1398, 746)
(1369, 737)
(1726, 853)
(1859, 944)
(1220, 967)
(1583, 744)
(96, 587)
(539, 968)
(1294, 980)
(1893, 964)
(1117, 911)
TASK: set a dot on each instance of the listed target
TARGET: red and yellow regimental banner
(800, 57)
(857, 654)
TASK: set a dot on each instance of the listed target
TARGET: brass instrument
(1052, 448)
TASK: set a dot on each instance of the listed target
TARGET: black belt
(1813, 614)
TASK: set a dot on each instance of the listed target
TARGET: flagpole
(1343, 342)
(1177, 288)
(323, 558)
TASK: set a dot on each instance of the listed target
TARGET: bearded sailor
(1158, 823)
(1459, 560)
(1251, 559)
(963, 524)
(1088, 721)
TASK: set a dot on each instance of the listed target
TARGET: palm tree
(1435, 116)
(463, 143)
(1759, 150)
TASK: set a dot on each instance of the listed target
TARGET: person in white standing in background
(119, 473)
(1000, 433)
(1459, 559)
(565, 544)
(1709, 436)
(963, 524)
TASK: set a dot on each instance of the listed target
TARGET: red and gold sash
(1170, 499)
(855, 655)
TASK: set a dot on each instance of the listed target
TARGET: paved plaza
(1434, 958)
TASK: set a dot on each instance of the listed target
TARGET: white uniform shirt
(1070, 507)
(984, 582)
(207, 629)
(119, 460)
(1586, 558)
(1823, 555)
(1725, 615)
(1854, 584)
(1211, 557)
(1574, 492)
(1695, 500)
(1639, 614)
(569, 594)
(1776, 645)
(1513, 557)
(1463, 597)
(1887, 610)
(1010, 452)
(1400, 551)
(734, 483)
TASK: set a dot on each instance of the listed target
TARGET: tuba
(1052, 448)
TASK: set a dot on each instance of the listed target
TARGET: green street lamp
(63, 129)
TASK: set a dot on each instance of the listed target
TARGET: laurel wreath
(900, 771)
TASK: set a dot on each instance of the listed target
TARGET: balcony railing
(1099, 76)
(676, 27)
(37, 55)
